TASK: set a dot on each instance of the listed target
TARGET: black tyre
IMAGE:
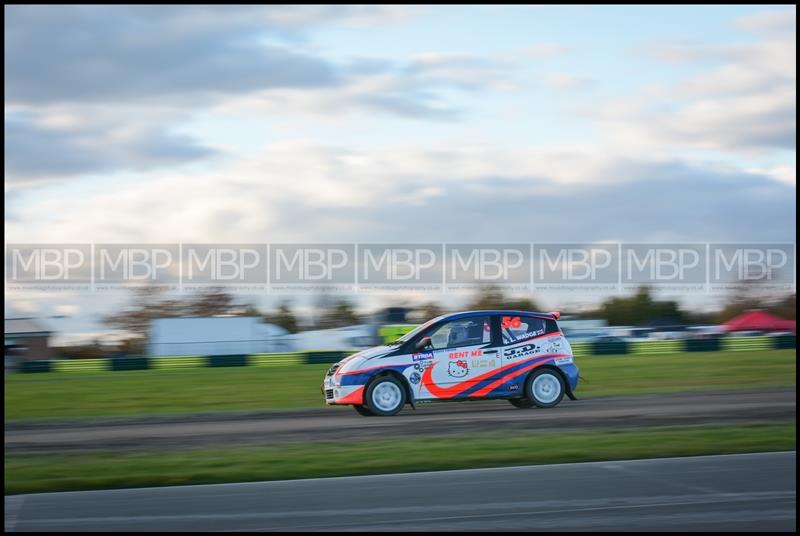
(545, 388)
(385, 396)
(521, 403)
(363, 410)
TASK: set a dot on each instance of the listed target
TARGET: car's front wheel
(385, 396)
(545, 388)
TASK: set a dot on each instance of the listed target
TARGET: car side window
(520, 328)
(550, 326)
(463, 332)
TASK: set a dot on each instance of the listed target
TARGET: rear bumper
(570, 370)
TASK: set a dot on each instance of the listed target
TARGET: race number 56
(511, 322)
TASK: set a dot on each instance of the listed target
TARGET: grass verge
(68, 395)
(48, 472)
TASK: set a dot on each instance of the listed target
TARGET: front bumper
(341, 394)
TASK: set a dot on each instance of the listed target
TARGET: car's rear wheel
(522, 403)
(545, 388)
(385, 396)
(363, 410)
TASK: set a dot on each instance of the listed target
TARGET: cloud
(179, 55)
(51, 146)
(545, 50)
(397, 194)
(105, 88)
(567, 82)
(744, 97)
(421, 88)
(151, 53)
(770, 22)
(460, 71)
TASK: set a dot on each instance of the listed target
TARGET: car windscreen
(416, 331)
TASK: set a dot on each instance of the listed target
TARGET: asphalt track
(745, 492)
(437, 419)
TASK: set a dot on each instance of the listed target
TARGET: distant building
(230, 335)
(345, 338)
(26, 339)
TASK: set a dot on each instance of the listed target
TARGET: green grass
(68, 395)
(59, 395)
(47, 472)
(686, 371)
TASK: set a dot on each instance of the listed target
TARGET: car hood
(355, 361)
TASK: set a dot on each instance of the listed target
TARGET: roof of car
(467, 314)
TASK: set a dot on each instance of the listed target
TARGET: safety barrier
(656, 347)
(271, 360)
(326, 356)
(227, 361)
(579, 349)
(129, 363)
(78, 365)
(178, 362)
(748, 343)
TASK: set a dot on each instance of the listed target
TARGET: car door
(458, 358)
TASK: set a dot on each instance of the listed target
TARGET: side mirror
(423, 343)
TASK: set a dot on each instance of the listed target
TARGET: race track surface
(439, 418)
(746, 492)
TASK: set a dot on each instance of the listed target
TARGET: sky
(154, 124)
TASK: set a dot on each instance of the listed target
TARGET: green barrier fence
(227, 361)
(579, 349)
(609, 348)
(35, 366)
(747, 343)
(712, 344)
(178, 362)
(325, 356)
(785, 341)
(656, 347)
(79, 365)
(271, 360)
(130, 363)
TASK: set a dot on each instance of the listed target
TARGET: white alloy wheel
(386, 396)
(545, 388)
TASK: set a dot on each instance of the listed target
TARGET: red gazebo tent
(758, 320)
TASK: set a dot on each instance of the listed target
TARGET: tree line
(640, 309)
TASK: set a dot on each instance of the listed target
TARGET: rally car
(517, 355)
